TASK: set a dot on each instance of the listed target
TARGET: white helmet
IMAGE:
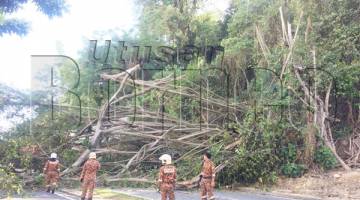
(53, 155)
(92, 155)
(165, 159)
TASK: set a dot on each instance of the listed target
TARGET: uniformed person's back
(167, 178)
(88, 177)
(51, 171)
(90, 169)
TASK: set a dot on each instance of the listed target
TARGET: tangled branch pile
(136, 135)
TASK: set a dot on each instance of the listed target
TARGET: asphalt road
(45, 195)
(153, 195)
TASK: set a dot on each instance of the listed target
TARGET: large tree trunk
(102, 114)
(322, 116)
(320, 106)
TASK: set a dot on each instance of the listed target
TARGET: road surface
(153, 195)
(45, 195)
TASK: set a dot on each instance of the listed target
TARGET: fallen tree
(136, 134)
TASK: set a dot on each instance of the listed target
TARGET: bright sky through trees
(66, 34)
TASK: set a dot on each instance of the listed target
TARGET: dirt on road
(333, 185)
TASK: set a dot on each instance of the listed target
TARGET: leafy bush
(293, 170)
(289, 167)
(288, 154)
(257, 166)
(271, 178)
(39, 180)
(325, 158)
(256, 158)
(9, 182)
(183, 168)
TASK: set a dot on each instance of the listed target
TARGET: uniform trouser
(51, 179)
(88, 188)
(207, 191)
(167, 191)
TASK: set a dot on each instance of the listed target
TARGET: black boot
(53, 191)
(48, 189)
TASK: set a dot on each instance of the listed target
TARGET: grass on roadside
(108, 194)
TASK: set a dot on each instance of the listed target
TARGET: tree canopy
(9, 25)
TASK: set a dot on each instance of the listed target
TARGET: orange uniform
(208, 177)
(51, 170)
(88, 177)
(167, 179)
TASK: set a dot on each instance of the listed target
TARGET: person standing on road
(88, 176)
(51, 171)
(207, 182)
(167, 178)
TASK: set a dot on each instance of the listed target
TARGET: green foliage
(9, 182)
(9, 25)
(293, 170)
(216, 152)
(189, 163)
(206, 27)
(12, 157)
(39, 180)
(256, 166)
(289, 167)
(325, 158)
(68, 156)
(256, 159)
(288, 153)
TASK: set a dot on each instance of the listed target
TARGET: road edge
(279, 194)
(66, 194)
(246, 190)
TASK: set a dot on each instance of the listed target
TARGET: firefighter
(88, 176)
(167, 178)
(51, 171)
(207, 177)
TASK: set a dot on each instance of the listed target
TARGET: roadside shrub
(256, 159)
(255, 166)
(271, 178)
(293, 170)
(289, 167)
(325, 158)
(288, 153)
